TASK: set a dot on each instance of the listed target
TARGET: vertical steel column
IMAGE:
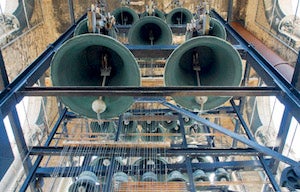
(286, 119)
(110, 173)
(71, 10)
(3, 75)
(296, 76)
(40, 157)
(6, 153)
(261, 158)
(188, 161)
(236, 130)
(15, 124)
(229, 10)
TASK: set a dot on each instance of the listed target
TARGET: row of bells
(149, 131)
(89, 181)
(78, 62)
(158, 24)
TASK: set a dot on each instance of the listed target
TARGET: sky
(294, 6)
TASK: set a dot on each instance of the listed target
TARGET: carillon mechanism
(203, 24)
(151, 10)
(97, 21)
(145, 107)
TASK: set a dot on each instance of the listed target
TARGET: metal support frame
(15, 126)
(287, 93)
(173, 151)
(39, 159)
(32, 73)
(149, 91)
(229, 10)
(286, 118)
(233, 135)
(107, 186)
(261, 158)
(208, 167)
(188, 161)
(290, 95)
(7, 156)
(71, 11)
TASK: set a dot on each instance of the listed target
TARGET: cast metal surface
(288, 94)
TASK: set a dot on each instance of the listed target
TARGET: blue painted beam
(261, 158)
(102, 170)
(6, 154)
(290, 96)
(32, 73)
(233, 135)
(39, 159)
(173, 151)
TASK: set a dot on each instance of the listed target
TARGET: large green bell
(179, 16)
(216, 62)
(150, 31)
(125, 16)
(79, 61)
(216, 29)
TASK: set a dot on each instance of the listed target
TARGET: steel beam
(31, 74)
(71, 11)
(290, 95)
(14, 121)
(6, 153)
(261, 158)
(131, 170)
(111, 168)
(39, 159)
(286, 118)
(149, 91)
(260, 148)
(188, 161)
(193, 152)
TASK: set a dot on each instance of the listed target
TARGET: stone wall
(252, 13)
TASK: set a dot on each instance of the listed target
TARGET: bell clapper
(151, 37)
(99, 105)
(201, 100)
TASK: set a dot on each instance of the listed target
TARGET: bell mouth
(150, 31)
(219, 65)
(78, 63)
